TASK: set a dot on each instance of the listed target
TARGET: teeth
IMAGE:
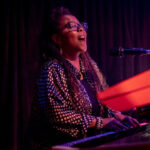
(82, 37)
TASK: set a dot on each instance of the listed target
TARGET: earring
(61, 51)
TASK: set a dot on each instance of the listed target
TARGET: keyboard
(105, 138)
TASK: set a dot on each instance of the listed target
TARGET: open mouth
(81, 38)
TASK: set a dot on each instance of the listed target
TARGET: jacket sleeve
(55, 101)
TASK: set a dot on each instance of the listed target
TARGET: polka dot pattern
(69, 115)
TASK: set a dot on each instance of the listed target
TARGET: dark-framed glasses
(73, 26)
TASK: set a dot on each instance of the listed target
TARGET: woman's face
(73, 37)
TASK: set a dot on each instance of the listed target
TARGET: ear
(56, 39)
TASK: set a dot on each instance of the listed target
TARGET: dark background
(112, 23)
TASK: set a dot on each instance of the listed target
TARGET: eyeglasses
(73, 26)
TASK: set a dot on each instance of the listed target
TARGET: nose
(80, 28)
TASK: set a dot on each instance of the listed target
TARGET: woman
(67, 87)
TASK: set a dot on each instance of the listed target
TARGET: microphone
(129, 51)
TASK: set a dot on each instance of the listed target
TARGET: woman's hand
(127, 120)
(111, 124)
(131, 122)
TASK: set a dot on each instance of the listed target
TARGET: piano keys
(134, 138)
